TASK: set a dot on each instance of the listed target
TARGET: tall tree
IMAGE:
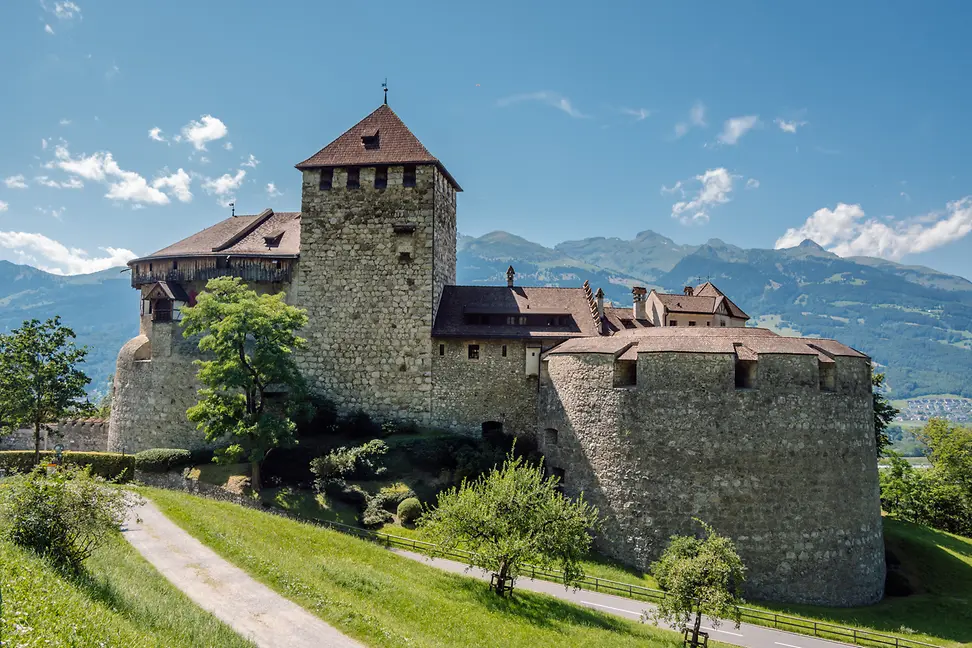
(250, 340)
(40, 382)
(511, 516)
(700, 576)
(884, 413)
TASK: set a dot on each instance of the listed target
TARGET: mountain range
(915, 322)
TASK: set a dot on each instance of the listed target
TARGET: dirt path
(252, 609)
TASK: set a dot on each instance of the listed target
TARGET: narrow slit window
(408, 175)
(504, 350)
(474, 352)
(441, 349)
(175, 265)
(745, 374)
(691, 322)
(381, 177)
(354, 178)
(828, 376)
(327, 179)
(673, 322)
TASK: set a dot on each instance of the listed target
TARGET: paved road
(250, 608)
(746, 635)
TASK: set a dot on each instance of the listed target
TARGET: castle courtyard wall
(787, 471)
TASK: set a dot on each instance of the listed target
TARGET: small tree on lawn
(700, 576)
(511, 516)
(251, 339)
(40, 383)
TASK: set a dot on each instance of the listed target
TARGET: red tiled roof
(619, 319)
(396, 144)
(704, 299)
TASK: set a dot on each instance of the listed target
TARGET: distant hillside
(914, 321)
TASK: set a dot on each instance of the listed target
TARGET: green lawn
(121, 601)
(387, 600)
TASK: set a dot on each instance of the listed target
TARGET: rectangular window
(828, 376)
(722, 323)
(175, 265)
(673, 322)
(504, 350)
(625, 373)
(745, 374)
(474, 352)
(708, 323)
(550, 436)
(354, 178)
(150, 267)
(691, 323)
(381, 177)
(441, 349)
(408, 176)
(327, 179)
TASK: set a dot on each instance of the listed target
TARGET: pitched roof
(458, 301)
(619, 319)
(390, 142)
(240, 236)
(706, 299)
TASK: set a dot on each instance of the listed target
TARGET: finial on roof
(510, 273)
(384, 86)
(233, 208)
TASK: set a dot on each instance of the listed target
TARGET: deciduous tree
(511, 516)
(884, 413)
(250, 341)
(700, 576)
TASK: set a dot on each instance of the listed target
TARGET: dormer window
(273, 239)
(354, 178)
(408, 175)
(371, 140)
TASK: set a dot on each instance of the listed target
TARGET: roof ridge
(260, 219)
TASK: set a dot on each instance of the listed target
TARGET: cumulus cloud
(53, 212)
(66, 10)
(789, 126)
(207, 129)
(228, 146)
(178, 183)
(640, 114)
(122, 185)
(4, 206)
(696, 118)
(715, 188)
(48, 29)
(65, 122)
(52, 256)
(251, 162)
(224, 186)
(736, 127)
(752, 183)
(15, 182)
(70, 183)
(847, 231)
(551, 99)
(155, 134)
(272, 190)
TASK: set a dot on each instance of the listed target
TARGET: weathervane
(232, 206)
(384, 86)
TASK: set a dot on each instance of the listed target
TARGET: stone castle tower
(378, 244)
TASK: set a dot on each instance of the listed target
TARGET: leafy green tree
(951, 450)
(511, 516)
(700, 576)
(884, 413)
(900, 488)
(40, 383)
(252, 388)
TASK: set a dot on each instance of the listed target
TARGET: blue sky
(758, 123)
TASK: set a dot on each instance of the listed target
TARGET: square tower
(378, 243)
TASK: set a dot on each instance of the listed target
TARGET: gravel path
(252, 609)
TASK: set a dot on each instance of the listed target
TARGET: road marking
(608, 607)
(787, 645)
(734, 634)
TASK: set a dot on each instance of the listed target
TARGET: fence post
(815, 629)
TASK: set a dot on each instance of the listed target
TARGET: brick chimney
(510, 273)
(600, 302)
(689, 291)
(638, 293)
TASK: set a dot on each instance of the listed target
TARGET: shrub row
(159, 460)
(109, 465)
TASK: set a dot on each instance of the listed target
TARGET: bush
(65, 515)
(375, 514)
(409, 510)
(160, 460)
(392, 496)
(108, 465)
(358, 425)
(360, 462)
(348, 493)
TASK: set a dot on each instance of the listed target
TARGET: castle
(658, 413)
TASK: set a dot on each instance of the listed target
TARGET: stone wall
(155, 383)
(373, 263)
(787, 471)
(492, 388)
(76, 435)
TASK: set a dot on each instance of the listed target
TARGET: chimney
(689, 291)
(510, 273)
(600, 302)
(638, 293)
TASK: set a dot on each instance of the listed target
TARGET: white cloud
(70, 183)
(639, 114)
(66, 10)
(272, 190)
(52, 256)
(207, 129)
(716, 185)
(178, 182)
(15, 182)
(789, 126)
(752, 183)
(49, 29)
(552, 99)
(251, 162)
(4, 206)
(43, 144)
(101, 167)
(224, 186)
(65, 122)
(847, 231)
(675, 188)
(228, 146)
(736, 127)
(696, 118)
(53, 212)
(156, 134)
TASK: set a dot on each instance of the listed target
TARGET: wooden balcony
(183, 271)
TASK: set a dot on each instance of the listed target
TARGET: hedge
(110, 465)
(160, 460)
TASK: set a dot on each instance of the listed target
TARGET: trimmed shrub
(409, 510)
(392, 496)
(160, 460)
(361, 462)
(107, 465)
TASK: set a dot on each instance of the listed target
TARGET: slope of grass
(121, 601)
(386, 600)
